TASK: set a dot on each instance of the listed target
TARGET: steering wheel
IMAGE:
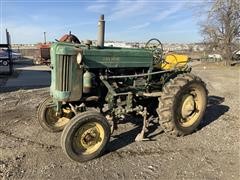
(156, 47)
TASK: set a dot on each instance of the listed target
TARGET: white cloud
(140, 26)
(182, 24)
(26, 34)
(179, 31)
(124, 9)
(35, 17)
(97, 8)
(172, 10)
(31, 33)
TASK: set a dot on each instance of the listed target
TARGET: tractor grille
(64, 72)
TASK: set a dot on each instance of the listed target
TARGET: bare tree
(221, 30)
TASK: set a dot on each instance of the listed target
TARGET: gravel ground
(212, 152)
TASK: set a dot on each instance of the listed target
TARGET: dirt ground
(212, 152)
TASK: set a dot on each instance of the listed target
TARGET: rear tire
(182, 104)
(85, 137)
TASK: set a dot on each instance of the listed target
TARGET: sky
(171, 21)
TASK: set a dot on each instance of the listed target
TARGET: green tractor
(94, 87)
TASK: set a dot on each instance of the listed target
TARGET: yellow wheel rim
(57, 122)
(89, 137)
(191, 108)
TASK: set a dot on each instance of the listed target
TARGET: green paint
(117, 58)
(75, 73)
(67, 75)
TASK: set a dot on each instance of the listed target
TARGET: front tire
(182, 104)
(48, 119)
(85, 137)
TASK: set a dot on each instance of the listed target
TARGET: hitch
(140, 136)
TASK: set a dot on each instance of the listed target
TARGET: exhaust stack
(101, 31)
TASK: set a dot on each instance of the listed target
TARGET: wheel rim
(5, 63)
(54, 121)
(191, 107)
(88, 138)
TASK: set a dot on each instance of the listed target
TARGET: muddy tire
(85, 137)
(182, 104)
(47, 118)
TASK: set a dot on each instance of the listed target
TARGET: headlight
(79, 58)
